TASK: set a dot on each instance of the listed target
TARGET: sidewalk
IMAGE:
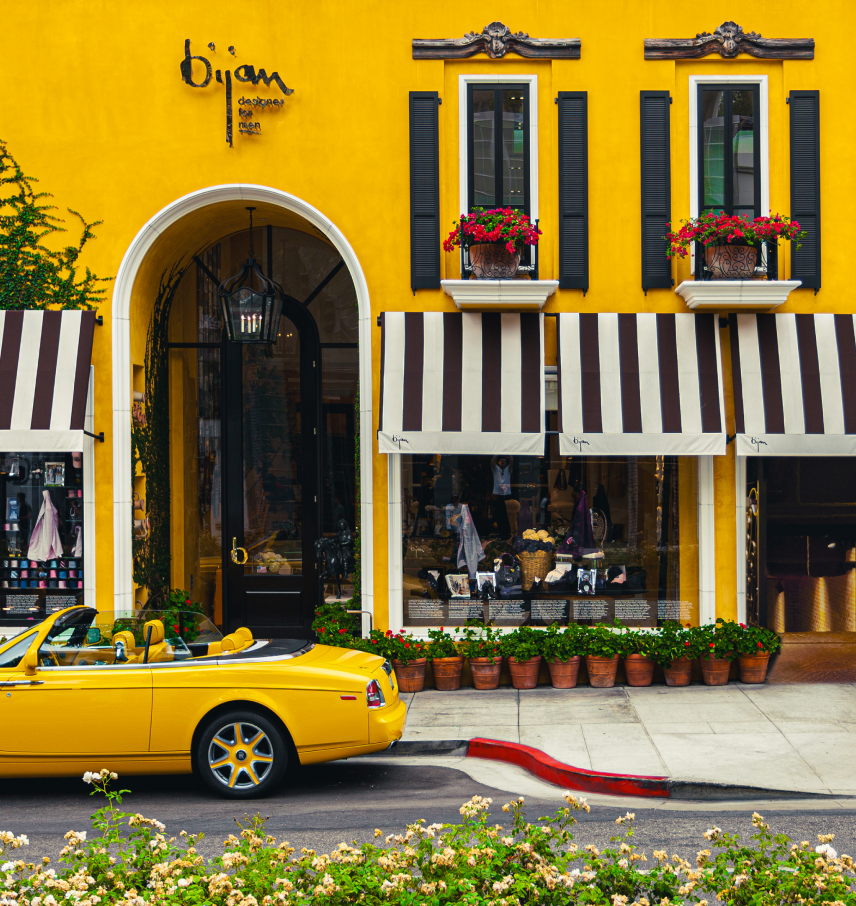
(794, 737)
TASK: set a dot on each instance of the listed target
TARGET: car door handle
(35, 682)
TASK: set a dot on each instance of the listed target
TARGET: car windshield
(85, 636)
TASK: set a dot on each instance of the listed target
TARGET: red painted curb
(547, 768)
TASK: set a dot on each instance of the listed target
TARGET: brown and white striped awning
(640, 385)
(462, 383)
(794, 384)
(45, 358)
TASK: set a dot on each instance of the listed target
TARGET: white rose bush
(128, 860)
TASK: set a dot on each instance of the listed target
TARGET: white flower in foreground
(7, 866)
(88, 777)
(826, 850)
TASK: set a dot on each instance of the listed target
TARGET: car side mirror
(31, 661)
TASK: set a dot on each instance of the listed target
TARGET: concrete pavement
(800, 738)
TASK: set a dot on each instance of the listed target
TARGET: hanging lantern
(252, 302)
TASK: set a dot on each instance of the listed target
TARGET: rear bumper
(386, 725)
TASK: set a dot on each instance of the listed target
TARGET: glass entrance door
(272, 428)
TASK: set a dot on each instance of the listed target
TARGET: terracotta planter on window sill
(410, 676)
(639, 670)
(564, 674)
(493, 261)
(447, 672)
(601, 670)
(714, 670)
(524, 674)
(753, 667)
(731, 262)
(485, 671)
(679, 672)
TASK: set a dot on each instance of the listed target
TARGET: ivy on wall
(150, 444)
(32, 275)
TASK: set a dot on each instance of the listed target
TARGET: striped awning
(462, 383)
(794, 384)
(640, 385)
(44, 375)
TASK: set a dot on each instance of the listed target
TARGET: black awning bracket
(99, 436)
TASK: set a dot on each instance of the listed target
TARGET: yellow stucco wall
(93, 104)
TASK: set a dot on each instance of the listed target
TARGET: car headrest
(244, 633)
(233, 642)
(126, 638)
(157, 631)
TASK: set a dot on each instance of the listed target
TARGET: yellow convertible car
(84, 690)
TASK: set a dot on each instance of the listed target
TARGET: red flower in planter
(711, 645)
(760, 644)
(341, 632)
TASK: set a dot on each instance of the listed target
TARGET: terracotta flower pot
(563, 674)
(447, 672)
(524, 674)
(639, 670)
(753, 667)
(493, 261)
(602, 670)
(714, 670)
(411, 677)
(486, 671)
(678, 673)
(731, 262)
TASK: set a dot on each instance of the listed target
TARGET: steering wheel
(45, 658)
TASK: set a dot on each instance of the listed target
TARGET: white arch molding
(121, 329)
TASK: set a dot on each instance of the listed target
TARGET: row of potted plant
(672, 647)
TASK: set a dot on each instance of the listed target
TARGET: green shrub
(603, 640)
(562, 644)
(129, 861)
(523, 644)
(442, 644)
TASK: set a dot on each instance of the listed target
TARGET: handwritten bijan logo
(247, 106)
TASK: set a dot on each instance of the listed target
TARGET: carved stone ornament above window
(496, 40)
(729, 40)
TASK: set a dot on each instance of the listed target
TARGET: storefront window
(41, 570)
(625, 528)
(801, 551)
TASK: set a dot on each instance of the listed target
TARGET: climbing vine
(150, 444)
(33, 275)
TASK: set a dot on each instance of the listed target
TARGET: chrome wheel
(240, 755)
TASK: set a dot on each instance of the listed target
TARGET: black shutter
(805, 184)
(573, 190)
(424, 190)
(656, 188)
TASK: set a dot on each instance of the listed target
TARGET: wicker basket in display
(534, 565)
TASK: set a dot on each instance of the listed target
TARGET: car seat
(159, 648)
(124, 648)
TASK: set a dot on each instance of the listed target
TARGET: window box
(499, 295)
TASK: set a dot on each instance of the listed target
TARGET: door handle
(236, 551)
(35, 682)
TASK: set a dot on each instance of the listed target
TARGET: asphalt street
(322, 805)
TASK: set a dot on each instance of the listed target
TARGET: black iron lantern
(252, 302)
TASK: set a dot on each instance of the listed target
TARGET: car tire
(241, 755)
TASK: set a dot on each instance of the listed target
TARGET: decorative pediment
(496, 40)
(729, 40)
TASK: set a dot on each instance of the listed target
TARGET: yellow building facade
(164, 122)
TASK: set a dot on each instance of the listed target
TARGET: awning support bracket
(729, 438)
(99, 436)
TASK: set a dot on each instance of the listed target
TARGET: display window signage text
(248, 106)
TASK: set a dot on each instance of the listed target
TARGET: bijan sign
(248, 107)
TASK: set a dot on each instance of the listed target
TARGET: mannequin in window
(501, 468)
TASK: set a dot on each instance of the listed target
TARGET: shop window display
(538, 540)
(41, 563)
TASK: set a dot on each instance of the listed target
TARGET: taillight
(374, 695)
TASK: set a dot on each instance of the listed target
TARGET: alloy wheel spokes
(240, 755)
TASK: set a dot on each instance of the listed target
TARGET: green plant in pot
(731, 243)
(523, 650)
(495, 240)
(718, 650)
(675, 648)
(603, 644)
(409, 657)
(447, 662)
(637, 651)
(754, 646)
(481, 646)
(563, 650)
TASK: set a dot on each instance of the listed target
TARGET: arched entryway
(301, 244)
